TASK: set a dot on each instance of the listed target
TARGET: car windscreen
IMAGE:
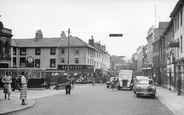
(146, 82)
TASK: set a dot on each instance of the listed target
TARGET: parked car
(136, 79)
(145, 87)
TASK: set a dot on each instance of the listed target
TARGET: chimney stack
(63, 35)
(91, 41)
(39, 35)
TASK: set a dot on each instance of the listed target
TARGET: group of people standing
(21, 86)
(115, 84)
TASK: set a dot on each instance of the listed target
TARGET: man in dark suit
(68, 86)
(179, 84)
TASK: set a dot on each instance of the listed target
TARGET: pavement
(167, 97)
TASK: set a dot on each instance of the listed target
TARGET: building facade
(52, 54)
(178, 42)
(5, 46)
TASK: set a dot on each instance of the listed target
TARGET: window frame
(37, 51)
(63, 59)
(14, 51)
(77, 60)
(54, 62)
(53, 51)
(62, 51)
(37, 61)
(21, 51)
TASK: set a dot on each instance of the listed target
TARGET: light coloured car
(145, 87)
(136, 79)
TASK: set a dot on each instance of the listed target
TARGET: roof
(177, 7)
(163, 25)
(50, 42)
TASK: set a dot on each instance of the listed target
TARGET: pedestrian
(72, 83)
(179, 84)
(68, 86)
(93, 81)
(7, 80)
(16, 83)
(114, 84)
(23, 92)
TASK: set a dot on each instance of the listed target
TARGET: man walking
(68, 86)
(179, 84)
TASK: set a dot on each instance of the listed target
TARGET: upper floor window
(181, 44)
(7, 48)
(62, 51)
(52, 51)
(62, 60)
(37, 63)
(181, 18)
(22, 61)
(22, 51)
(52, 63)
(77, 51)
(14, 50)
(37, 51)
(14, 61)
(76, 60)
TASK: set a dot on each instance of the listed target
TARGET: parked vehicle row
(141, 85)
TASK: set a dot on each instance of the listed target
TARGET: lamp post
(68, 69)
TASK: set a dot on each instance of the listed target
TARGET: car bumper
(145, 93)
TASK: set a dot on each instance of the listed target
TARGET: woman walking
(23, 91)
(7, 80)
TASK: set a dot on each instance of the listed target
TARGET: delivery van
(125, 79)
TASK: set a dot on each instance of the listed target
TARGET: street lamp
(68, 69)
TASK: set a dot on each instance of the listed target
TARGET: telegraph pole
(68, 69)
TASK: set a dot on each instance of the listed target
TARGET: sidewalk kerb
(168, 106)
(20, 109)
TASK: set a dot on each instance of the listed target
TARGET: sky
(86, 18)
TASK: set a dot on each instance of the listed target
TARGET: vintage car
(136, 79)
(145, 87)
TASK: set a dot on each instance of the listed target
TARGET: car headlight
(154, 88)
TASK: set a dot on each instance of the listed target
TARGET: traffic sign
(115, 35)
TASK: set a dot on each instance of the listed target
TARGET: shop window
(37, 51)
(52, 63)
(22, 51)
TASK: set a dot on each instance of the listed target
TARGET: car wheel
(118, 88)
(137, 95)
(153, 96)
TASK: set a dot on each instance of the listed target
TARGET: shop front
(80, 73)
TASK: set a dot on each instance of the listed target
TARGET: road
(96, 100)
